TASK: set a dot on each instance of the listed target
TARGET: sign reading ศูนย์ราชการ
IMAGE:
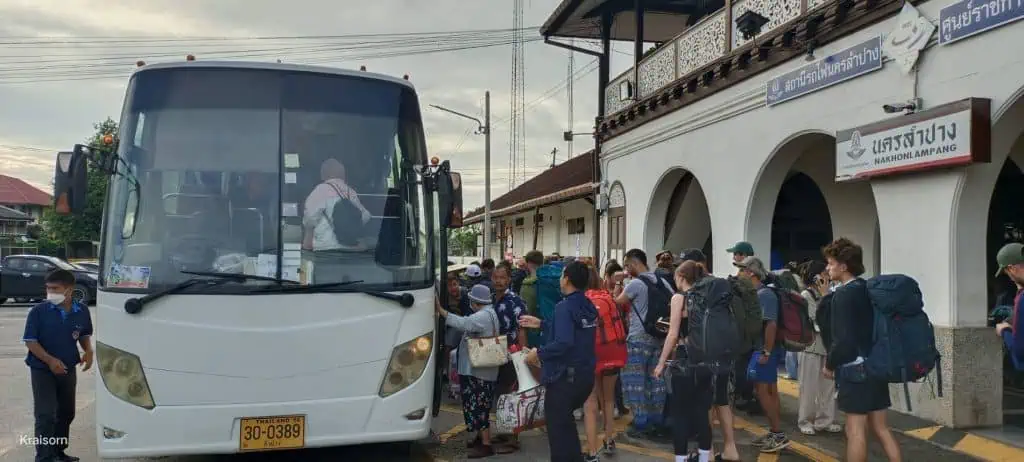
(954, 134)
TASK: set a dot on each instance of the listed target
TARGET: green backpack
(746, 308)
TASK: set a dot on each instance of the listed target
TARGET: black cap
(696, 255)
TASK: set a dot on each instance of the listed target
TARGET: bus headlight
(123, 376)
(407, 363)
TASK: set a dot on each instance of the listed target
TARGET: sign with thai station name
(953, 134)
(967, 18)
(844, 65)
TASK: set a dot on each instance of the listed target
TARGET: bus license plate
(271, 433)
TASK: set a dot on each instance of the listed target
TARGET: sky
(52, 93)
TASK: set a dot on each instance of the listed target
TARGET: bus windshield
(302, 176)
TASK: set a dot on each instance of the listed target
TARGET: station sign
(954, 134)
(967, 18)
(852, 62)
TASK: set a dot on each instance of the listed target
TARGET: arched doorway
(801, 224)
(1005, 223)
(797, 207)
(678, 217)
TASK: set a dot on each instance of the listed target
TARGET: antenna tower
(517, 128)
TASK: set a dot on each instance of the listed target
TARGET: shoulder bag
(489, 351)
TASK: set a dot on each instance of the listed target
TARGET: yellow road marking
(986, 449)
(798, 448)
(451, 433)
(768, 457)
(924, 433)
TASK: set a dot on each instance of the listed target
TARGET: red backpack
(610, 326)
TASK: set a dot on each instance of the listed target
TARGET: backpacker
(549, 293)
(610, 339)
(714, 339)
(903, 345)
(746, 308)
(795, 328)
(658, 298)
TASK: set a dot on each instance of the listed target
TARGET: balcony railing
(705, 42)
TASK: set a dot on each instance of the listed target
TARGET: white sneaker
(807, 430)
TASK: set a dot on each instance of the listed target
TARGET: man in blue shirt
(509, 308)
(765, 363)
(567, 361)
(54, 330)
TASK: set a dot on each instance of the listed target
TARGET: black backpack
(659, 298)
(346, 220)
(714, 340)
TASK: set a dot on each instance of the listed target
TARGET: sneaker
(775, 443)
(807, 430)
(834, 428)
(591, 458)
(761, 440)
(609, 447)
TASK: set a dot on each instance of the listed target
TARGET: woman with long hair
(690, 416)
(610, 350)
(817, 398)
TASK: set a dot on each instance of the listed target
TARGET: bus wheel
(80, 294)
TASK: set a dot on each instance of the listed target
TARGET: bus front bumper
(124, 430)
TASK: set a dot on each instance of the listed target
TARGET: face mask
(55, 297)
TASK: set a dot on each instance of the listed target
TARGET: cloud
(53, 93)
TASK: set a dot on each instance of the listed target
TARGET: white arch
(693, 219)
(851, 206)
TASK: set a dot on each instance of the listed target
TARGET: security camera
(908, 107)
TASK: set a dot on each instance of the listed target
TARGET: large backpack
(903, 345)
(714, 340)
(611, 328)
(549, 293)
(795, 328)
(658, 299)
(746, 308)
(346, 220)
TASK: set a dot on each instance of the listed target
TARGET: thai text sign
(967, 18)
(953, 134)
(852, 62)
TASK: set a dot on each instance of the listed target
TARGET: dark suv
(22, 278)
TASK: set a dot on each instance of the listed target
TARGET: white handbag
(489, 351)
(524, 409)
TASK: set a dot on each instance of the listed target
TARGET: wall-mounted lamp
(811, 45)
(750, 23)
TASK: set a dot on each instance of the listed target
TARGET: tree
(85, 226)
(463, 241)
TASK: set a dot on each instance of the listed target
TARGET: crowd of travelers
(679, 349)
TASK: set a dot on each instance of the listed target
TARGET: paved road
(16, 419)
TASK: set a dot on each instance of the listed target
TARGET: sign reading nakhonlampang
(953, 134)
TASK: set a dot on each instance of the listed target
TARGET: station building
(788, 123)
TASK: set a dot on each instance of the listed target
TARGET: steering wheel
(193, 252)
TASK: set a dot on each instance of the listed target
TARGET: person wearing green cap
(1011, 262)
(741, 250)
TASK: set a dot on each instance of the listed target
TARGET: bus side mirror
(450, 199)
(70, 183)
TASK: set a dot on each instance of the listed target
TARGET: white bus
(232, 314)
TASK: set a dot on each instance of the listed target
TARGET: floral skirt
(477, 400)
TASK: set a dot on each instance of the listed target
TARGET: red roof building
(16, 194)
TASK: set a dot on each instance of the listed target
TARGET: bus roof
(274, 67)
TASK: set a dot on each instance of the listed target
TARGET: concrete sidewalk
(914, 433)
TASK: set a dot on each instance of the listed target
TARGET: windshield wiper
(404, 299)
(135, 305)
(240, 277)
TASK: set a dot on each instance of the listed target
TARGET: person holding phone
(817, 398)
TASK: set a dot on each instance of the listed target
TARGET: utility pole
(487, 174)
(484, 128)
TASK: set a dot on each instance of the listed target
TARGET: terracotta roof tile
(574, 173)
(14, 191)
